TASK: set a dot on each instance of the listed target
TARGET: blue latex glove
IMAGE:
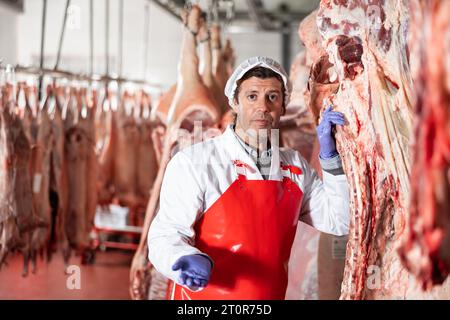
(195, 270)
(325, 135)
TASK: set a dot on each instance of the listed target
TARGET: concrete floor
(106, 279)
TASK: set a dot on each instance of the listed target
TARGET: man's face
(259, 105)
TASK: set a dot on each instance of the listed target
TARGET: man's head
(258, 100)
(258, 92)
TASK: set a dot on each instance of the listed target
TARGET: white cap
(251, 63)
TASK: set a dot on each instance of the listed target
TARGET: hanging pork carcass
(59, 192)
(206, 68)
(147, 164)
(229, 56)
(106, 141)
(17, 216)
(219, 64)
(41, 166)
(79, 145)
(192, 101)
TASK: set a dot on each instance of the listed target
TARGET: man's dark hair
(262, 73)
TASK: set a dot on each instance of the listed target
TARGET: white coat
(198, 175)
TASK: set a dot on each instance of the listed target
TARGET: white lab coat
(198, 175)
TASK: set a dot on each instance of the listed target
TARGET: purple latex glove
(195, 270)
(325, 135)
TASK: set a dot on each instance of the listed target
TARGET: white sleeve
(325, 204)
(171, 234)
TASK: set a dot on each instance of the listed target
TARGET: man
(229, 206)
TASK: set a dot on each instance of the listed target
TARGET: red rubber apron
(248, 232)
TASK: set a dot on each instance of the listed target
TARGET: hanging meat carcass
(41, 177)
(298, 124)
(9, 233)
(79, 144)
(128, 160)
(147, 166)
(17, 216)
(229, 58)
(88, 103)
(426, 251)
(228, 118)
(298, 131)
(106, 140)
(125, 155)
(59, 192)
(159, 116)
(368, 63)
(27, 104)
(206, 69)
(220, 66)
(192, 101)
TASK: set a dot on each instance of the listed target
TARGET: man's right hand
(195, 270)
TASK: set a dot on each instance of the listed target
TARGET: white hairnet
(251, 63)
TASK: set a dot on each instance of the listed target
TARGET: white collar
(237, 152)
(251, 150)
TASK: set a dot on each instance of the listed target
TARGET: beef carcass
(368, 60)
(298, 132)
(297, 125)
(308, 33)
(76, 154)
(145, 281)
(17, 216)
(192, 101)
(426, 251)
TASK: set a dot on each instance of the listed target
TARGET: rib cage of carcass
(367, 60)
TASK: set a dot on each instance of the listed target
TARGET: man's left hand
(325, 134)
